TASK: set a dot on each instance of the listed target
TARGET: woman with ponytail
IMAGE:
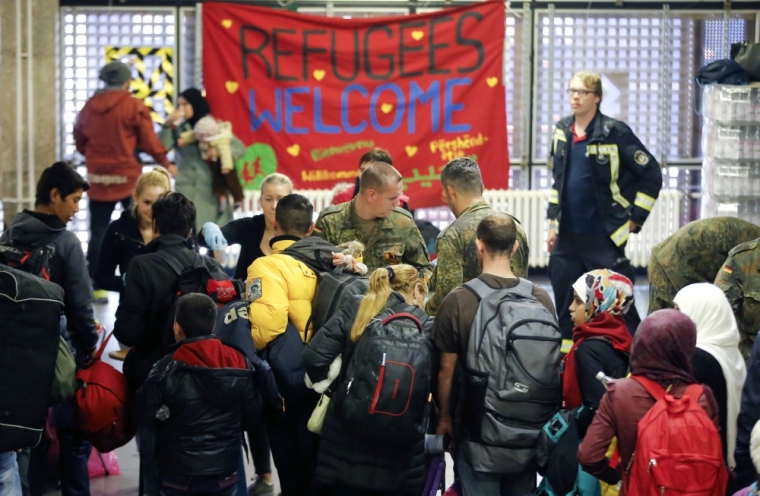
(134, 229)
(347, 465)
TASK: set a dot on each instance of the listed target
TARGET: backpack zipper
(378, 387)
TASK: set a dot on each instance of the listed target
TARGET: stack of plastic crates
(731, 151)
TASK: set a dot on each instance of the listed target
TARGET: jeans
(573, 256)
(75, 451)
(208, 486)
(100, 217)
(10, 483)
(484, 484)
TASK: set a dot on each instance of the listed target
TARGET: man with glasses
(605, 185)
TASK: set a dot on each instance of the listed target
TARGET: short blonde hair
(592, 81)
(378, 176)
(277, 179)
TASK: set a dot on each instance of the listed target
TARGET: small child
(351, 255)
(196, 400)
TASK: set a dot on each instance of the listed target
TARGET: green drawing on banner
(257, 163)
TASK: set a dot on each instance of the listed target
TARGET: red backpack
(678, 449)
(103, 404)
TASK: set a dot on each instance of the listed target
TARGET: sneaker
(99, 296)
(260, 487)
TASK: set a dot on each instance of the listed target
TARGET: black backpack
(334, 286)
(33, 259)
(385, 394)
(204, 276)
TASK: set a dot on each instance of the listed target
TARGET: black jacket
(591, 357)
(68, 269)
(627, 178)
(143, 312)
(199, 399)
(248, 233)
(749, 415)
(344, 460)
(121, 243)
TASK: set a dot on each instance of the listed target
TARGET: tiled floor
(127, 484)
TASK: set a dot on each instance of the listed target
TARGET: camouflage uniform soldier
(693, 254)
(455, 245)
(739, 280)
(388, 233)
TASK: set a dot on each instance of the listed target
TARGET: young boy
(59, 191)
(198, 399)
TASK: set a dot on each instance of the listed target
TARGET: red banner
(309, 95)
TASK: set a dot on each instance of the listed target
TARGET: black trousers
(100, 217)
(294, 451)
(573, 256)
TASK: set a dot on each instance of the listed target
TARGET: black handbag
(748, 56)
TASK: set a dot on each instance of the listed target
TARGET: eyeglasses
(581, 93)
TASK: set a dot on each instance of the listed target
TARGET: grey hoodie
(68, 269)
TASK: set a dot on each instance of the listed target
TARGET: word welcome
(355, 98)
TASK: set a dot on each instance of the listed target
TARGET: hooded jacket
(68, 269)
(281, 288)
(107, 131)
(199, 399)
(345, 460)
(142, 315)
(121, 243)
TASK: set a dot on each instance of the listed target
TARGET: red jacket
(107, 131)
(625, 403)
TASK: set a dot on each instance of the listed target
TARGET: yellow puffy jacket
(280, 288)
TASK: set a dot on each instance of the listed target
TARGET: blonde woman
(133, 230)
(251, 233)
(346, 464)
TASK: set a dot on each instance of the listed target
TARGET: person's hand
(634, 228)
(551, 239)
(176, 116)
(446, 428)
(214, 237)
(172, 170)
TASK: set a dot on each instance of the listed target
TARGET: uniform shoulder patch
(641, 157)
(253, 290)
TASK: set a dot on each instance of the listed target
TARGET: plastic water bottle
(604, 379)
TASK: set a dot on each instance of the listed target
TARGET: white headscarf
(718, 334)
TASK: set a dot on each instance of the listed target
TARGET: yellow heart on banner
(417, 35)
(232, 86)
(386, 107)
(227, 23)
(492, 81)
(319, 74)
(411, 150)
(294, 150)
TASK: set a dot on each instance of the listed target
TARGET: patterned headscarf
(604, 291)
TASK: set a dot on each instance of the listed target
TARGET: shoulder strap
(479, 288)
(403, 315)
(654, 389)
(482, 290)
(171, 261)
(694, 391)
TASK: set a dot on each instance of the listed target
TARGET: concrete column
(29, 110)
